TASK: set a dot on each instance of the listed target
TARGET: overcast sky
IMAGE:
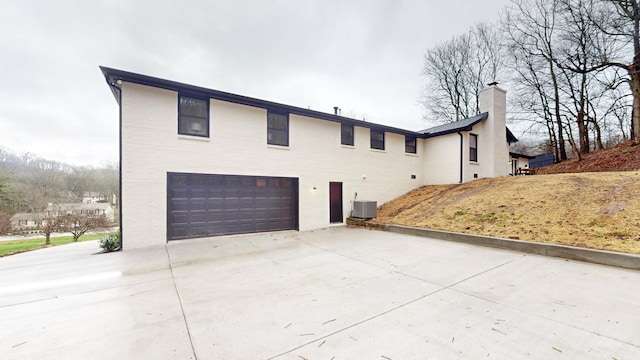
(363, 56)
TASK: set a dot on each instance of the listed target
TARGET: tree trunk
(556, 98)
(582, 132)
(574, 146)
(598, 132)
(635, 89)
(634, 71)
(47, 237)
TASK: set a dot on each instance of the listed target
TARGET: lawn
(18, 246)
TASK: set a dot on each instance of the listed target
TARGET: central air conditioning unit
(364, 209)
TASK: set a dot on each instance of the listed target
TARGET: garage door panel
(180, 218)
(180, 192)
(208, 205)
(180, 231)
(245, 203)
(214, 215)
(198, 217)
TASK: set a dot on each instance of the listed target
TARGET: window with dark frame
(410, 144)
(193, 116)
(346, 134)
(377, 139)
(473, 147)
(277, 128)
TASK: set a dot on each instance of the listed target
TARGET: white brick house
(197, 162)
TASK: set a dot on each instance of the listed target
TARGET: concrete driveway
(328, 294)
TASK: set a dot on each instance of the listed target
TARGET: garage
(203, 205)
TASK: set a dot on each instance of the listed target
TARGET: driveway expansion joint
(184, 317)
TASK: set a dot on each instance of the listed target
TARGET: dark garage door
(201, 205)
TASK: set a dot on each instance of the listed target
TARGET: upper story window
(410, 144)
(346, 134)
(277, 129)
(377, 139)
(193, 117)
(473, 147)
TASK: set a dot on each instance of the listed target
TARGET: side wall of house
(237, 145)
(442, 159)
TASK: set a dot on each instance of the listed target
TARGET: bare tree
(78, 181)
(79, 223)
(616, 45)
(24, 197)
(456, 70)
(531, 26)
(49, 225)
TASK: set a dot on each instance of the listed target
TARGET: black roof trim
(454, 127)
(113, 75)
(510, 137)
(514, 154)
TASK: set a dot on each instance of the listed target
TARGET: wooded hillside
(28, 183)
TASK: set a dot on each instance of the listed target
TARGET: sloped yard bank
(590, 210)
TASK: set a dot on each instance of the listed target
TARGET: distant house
(26, 222)
(33, 222)
(198, 162)
(92, 197)
(519, 161)
(97, 209)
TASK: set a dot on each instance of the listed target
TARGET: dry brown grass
(591, 210)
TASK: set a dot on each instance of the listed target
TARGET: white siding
(237, 145)
(442, 159)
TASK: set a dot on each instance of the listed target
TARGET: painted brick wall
(237, 145)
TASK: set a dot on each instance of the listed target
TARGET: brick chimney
(494, 149)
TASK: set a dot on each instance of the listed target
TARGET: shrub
(110, 243)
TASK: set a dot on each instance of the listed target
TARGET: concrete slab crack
(184, 317)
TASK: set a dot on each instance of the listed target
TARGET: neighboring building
(539, 161)
(92, 197)
(33, 222)
(197, 162)
(97, 209)
(27, 222)
(519, 161)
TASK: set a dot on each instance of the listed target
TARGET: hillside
(599, 210)
(622, 157)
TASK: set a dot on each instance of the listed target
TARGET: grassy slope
(599, 210)
(18, 246)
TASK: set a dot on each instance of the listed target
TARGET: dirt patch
(592, 210)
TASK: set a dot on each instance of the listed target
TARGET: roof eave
(113, 75)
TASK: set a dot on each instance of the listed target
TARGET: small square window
(277, 129)
(346, 134)
(377, 139)
(193, 117)
(410, 144)
(473, 147)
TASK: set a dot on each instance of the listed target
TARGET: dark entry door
(202, 205)
(335, 202)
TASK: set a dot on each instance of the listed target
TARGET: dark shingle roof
(460, 125)
(514, 154)
(28, 216)
(510, 137)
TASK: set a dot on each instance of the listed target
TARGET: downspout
(116, 85)
(461, 155)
